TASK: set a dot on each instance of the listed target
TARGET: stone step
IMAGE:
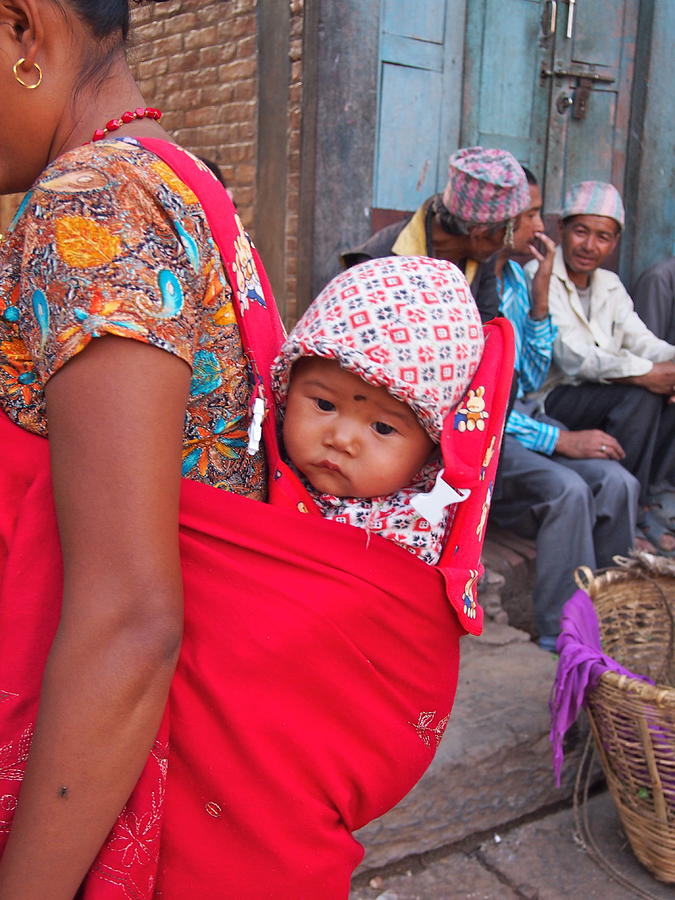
(539, 859)
(494, 763)
(514, 559)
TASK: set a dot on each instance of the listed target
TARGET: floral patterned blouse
(110, 241)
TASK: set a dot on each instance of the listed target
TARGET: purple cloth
(580, 666)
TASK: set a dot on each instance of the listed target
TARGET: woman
(310, 659)
(115, 414)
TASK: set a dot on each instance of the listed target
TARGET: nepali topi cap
(594, 198)
(485, 185)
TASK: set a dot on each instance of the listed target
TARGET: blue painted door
(419, 98)
(505, 49)
(551, 81)
(502, 73)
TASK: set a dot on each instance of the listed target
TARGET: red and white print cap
(408, 324)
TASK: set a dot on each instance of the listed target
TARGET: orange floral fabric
(110, 241)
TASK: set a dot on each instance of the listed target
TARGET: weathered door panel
(422, 21)
(599, 54)
(524, 91)
(404, 174)
(597, 30)
(505, 48)
(589, 155)
(419, 99)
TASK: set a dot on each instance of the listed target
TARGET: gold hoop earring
(15, 69)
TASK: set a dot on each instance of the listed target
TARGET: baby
(364, 383)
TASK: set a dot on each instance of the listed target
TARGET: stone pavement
(539, 860)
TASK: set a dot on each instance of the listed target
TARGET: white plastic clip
(430, 505)
(255, 428)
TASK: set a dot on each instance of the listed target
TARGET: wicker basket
(633, 722)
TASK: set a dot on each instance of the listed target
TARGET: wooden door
(551, 81)
(589, 88)
(419, 99)
(506, 46)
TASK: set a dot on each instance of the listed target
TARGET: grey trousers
(579, 511)
(642, 422)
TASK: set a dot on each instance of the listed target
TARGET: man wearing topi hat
(609, 371)
(472, 219)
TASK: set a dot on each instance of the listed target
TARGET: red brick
(152, 68)
(197, 38)
(197, 60)
(203, 115)
(183, 22)
(238, 68)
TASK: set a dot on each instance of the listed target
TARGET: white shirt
(611, 342)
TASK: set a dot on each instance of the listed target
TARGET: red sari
(316, 676)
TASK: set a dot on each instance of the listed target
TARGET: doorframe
(340, 59)
(274, 67)
(650, 165)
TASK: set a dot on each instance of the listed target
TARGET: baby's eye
(383, 428)
(324, 405)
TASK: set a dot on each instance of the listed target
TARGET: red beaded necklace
(141, 112)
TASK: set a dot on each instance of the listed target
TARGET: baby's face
(347, 437)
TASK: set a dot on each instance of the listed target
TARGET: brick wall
(197, 61)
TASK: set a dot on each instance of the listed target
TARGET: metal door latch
(563, 103)
(581, 94)
(584, 85)
(549, 27)
(560, 72)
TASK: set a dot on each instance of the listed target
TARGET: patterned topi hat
(408, 324)
(485, 186)
(594, 198)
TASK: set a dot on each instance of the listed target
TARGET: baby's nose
(343, 436)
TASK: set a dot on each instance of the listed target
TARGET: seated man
(610, 372)
(654, 298)
(467, 224)
(580, 510)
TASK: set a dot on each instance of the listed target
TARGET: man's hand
(659, 380)
(590, 444)
(542, 276)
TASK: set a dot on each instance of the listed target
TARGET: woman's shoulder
(114, 152)
(94, 172)
(100, 202)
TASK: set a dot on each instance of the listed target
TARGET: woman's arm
(116, 415)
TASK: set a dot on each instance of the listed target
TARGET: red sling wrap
(317, 671)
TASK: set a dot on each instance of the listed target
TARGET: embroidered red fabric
(316, 677)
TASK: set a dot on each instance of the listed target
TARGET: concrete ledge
(513, 558)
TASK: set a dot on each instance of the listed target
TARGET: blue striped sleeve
(532, 434)
(535, 352)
